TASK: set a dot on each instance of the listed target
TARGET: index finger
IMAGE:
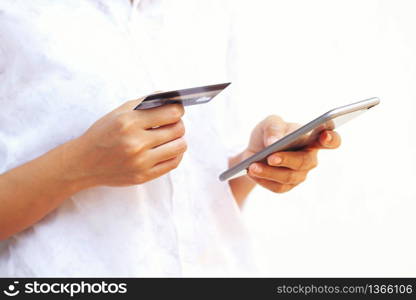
(161, 115)
(301, 160)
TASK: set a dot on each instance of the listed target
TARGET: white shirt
(63, 65)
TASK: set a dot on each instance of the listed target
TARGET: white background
(356, 213)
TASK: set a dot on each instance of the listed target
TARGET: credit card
(191, 96)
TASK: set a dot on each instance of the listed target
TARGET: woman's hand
(284, 170)
(125, 147)
(128, 147)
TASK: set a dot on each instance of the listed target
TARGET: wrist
(74, 167)
(241, 186)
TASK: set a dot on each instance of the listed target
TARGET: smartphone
(190, 96)
(305, 135)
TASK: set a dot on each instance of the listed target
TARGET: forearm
(31, 191)
(125, 147)
(243, 185)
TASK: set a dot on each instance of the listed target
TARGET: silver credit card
(191, 96)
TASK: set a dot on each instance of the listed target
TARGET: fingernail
(328, 138)
(276, 160)
(271, 140)
(256, 168)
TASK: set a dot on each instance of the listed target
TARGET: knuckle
(127, 146)
(123, 122)
(302, 177)
(273, 119)
(306, 161)
(312, 160)
(177, 161)
(174, 163)
(180, 128)
(131, 146)
(139, 178)
(139, 163)
(288, 188)
(181, 145)
(290, 177)
(176, 111)
(314, 163)
(278, 188)
(274, 126)
(144, 142)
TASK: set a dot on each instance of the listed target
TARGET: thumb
(274, 129)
